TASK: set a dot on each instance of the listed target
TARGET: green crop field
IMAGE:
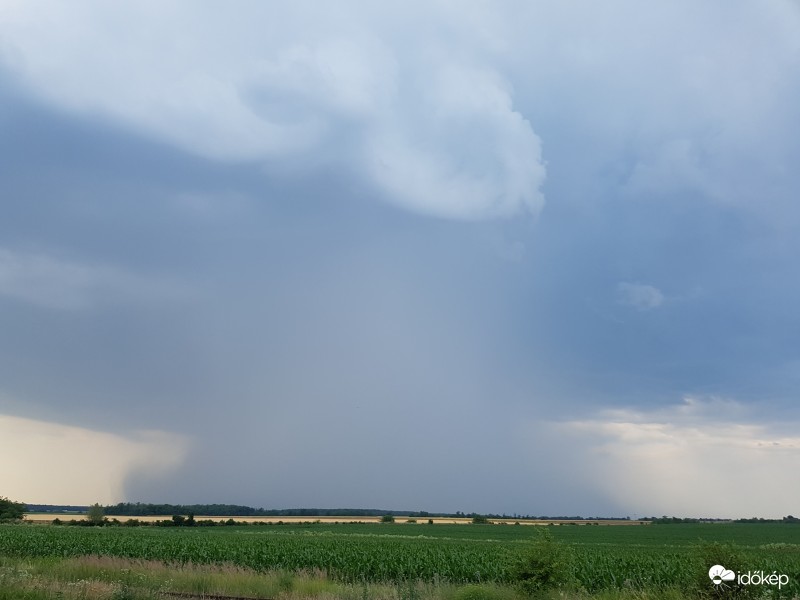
(596, 559)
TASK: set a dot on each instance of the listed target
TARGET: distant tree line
(14, 510)
(55, 508)
(139, 509)
(787, 519)
(182, 521)
(673, 520)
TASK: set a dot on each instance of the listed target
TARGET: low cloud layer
(62, 284)
(80, 465)
(713, 457)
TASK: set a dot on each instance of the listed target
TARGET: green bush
(387, 519)
(545, 564)
(727, 555)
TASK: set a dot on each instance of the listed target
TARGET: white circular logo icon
(718, 574)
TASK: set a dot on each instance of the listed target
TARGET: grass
(96, 578)
(109, 578)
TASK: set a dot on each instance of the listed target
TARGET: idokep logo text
(719, 575)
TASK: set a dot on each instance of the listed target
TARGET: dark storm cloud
(233, 244)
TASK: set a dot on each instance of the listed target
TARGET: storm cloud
(432, 256)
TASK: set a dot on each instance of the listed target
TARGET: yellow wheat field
(399, 519)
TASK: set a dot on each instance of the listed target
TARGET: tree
(387, 519)
(95, 514)
(10, 510)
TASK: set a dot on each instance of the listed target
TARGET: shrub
(206, 523)
(479, 520)
(387, 519)
(543, 565)
(726, 555)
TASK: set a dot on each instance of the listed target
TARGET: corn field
(652, 557)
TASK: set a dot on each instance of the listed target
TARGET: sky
(497, 257)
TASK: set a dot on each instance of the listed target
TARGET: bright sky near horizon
(524, 257)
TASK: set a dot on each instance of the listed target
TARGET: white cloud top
(435, 104)
(434, 131)
(639, 295)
